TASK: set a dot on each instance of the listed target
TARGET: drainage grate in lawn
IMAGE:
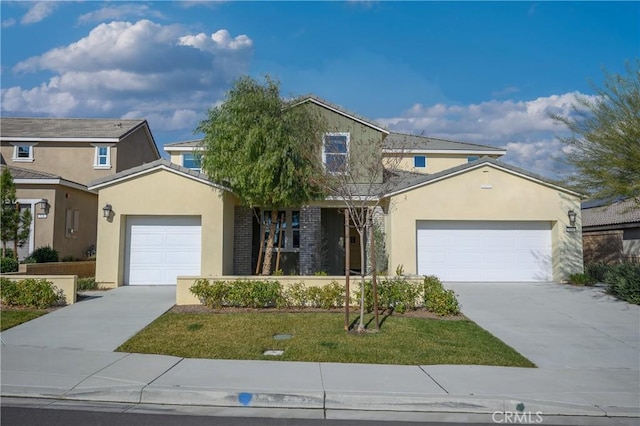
(282, 336)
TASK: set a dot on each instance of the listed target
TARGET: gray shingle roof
(410, 142)
(192, 143)
(66, 127)
(149, 166)
(618, 212)
(20, 173)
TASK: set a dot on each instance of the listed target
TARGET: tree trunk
(268, 251)
(347, 261)
(281, 223)
(373, 274)
(261, 248)
(363, 268)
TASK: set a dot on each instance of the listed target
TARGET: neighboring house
(52, 160)
(449, 208)
(611, 231)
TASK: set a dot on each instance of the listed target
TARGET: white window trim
(97, 146)
(32, 226)
(197, 169)
(15, 152)
(420, 167)
(324, 156)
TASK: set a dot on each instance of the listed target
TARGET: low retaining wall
(83, 269)
(67, 283)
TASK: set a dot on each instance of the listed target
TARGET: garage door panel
(161, 248)
(484, 251)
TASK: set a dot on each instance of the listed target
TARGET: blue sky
(482, 72)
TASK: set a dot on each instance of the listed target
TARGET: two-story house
(52, 160)
(448, 208)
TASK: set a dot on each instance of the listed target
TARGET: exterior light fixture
(43, 205)
(572, 218)
(106, 211)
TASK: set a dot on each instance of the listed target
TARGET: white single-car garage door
(160, 248)
(485, 251)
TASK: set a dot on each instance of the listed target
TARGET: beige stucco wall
(164, 193)
(86, 203)
(67, 283)
(512, 198)
(176, 157)
(137, 148)
(435, 162)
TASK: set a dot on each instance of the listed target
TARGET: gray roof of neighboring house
(618, 212)
(410, 142)
(66, 127)
(192, 143)
(149, 166)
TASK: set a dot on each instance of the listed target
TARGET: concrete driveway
(100, 323)
(557, 326)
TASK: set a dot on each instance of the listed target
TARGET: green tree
(605, 140)
(266, 151)
(14, 226)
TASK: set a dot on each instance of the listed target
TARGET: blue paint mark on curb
(245, 398)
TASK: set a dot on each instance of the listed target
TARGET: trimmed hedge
(393, 293)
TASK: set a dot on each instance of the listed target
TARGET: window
(419, 161)
(334, 152)
(72, 223)
(102, 156)
(191, 161)
(287, 236)
(23, 152)
(472, 158)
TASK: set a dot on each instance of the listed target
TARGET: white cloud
(38, 12)
(8, 23)
(141, 69)
(115, 12)
(526, 128)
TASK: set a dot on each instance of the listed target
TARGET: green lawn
(319, 337)
(12, 318)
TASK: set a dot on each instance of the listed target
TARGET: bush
(85, 284)
(437, 299)
(393, 293)
(326, 297)
(581, 279)
(8, 264)
(623, 282)
(44, 255)
(239, 293)
(30, 292)
(297, 295)
(9, 252)
(596, 271)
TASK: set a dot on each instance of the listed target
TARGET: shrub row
(622, 280)
(401, 295)
(30, 292)
(396, 293)
(8, 264)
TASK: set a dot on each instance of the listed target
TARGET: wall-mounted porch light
(43, 205)
(572, 218)
(106, 211)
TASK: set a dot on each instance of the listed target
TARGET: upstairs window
(472, 158)
(419, 161)
(102, 156)
(191, 161)
(23, 152)
(335, 151)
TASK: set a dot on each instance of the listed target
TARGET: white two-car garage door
(160, 248)
(485, 251)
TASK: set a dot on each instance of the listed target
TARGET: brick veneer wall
(242, 240)
(310, 240)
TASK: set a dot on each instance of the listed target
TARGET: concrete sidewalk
(325, 390)
(67, 357)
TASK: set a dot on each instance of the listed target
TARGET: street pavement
(69, 358)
